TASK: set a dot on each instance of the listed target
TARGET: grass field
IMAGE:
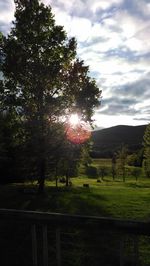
(108, 198)
(129, 200)
(101, 162)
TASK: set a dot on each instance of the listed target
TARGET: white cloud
(103, 4)
(128, 23)
(80, 28)
(113, 39)
(113, 120)
(143, 7)
(6, 15)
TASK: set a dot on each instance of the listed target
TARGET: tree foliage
(43, 81)
(146, 144)
(113, 165)
(122, 157)
(135, 159)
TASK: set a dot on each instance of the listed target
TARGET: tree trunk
(67, 179)
(41, 181)
(124, 175)
(56, 175)
(56, 181)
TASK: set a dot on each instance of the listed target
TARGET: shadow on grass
(71, 200)
(83, 201)
(138, 185)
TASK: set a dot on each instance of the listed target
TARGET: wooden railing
(44, 239)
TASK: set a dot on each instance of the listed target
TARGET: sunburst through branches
(77, 131)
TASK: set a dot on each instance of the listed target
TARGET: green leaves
(146, 144)
(43, 79)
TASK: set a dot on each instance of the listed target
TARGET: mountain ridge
(108, 140)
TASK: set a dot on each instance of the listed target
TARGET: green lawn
(102, 162)
(128, 200)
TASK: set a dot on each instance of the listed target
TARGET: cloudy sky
(114, 40)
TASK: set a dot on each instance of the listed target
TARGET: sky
(113, 38)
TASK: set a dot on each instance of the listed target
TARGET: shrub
(91, 172)
(134, 172)
(146, 166)
(103, 171)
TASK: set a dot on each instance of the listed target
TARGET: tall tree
(113, 166)
(122, 157)
(44, 79)
(146, 143)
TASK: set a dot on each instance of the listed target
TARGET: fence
(30, 238)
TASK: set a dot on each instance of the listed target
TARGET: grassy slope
(115, 199)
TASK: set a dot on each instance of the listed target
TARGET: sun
(74, 119)
(77, 130)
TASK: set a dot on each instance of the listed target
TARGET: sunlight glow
(74, 119)
(77, 131)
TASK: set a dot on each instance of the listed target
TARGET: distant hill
(107, 141)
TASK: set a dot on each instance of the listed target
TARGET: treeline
(124, 164)
(102, 172)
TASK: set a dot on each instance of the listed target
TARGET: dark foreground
(40, 239)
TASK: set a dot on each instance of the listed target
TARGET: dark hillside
(107, 141)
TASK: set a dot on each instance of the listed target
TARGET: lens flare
(77, 131)
(74, 119)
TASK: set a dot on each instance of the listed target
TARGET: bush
(146, 166)
(91, 172)
(103, 171)
(135, 159)
(134, 172)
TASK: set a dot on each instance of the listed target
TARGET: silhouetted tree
(146, 143)
(102, 170)
(44, 81)
(113, 162)
(137, 172)
(135, 159)
(122, 156)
